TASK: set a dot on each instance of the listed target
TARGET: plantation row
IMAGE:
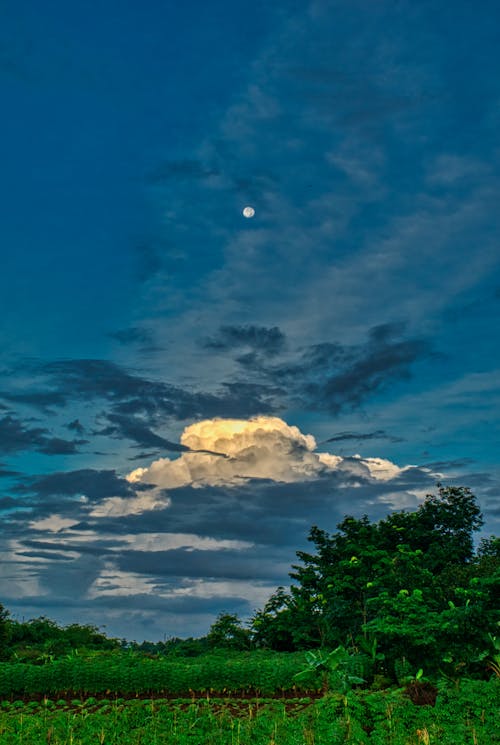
(263, 672)
(468, 714)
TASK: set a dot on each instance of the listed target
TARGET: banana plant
(333, 669)
(493, 660)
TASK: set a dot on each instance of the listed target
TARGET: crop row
(266, 674)
(466, 715)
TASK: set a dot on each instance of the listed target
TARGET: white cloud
(53, 523)
(259, 448)
(112, 581)
(171, 541)
(122, 506)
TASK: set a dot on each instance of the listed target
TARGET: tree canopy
(412, 581)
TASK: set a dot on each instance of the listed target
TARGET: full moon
(248, 212)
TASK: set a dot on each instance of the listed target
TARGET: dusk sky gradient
(186, 391)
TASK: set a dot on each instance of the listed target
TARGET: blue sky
(348, 330)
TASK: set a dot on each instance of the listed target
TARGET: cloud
(215, 564)
(123, 506)
(259, 338)
(92, 483)
(59, 446)
(259, 448)
(361, 437)
(16, 436)
(7, 472)
(266, 377)
(129, 393)
(76, 426)
(134, 429)
(361, 371)
(332, 376)
(43, 400)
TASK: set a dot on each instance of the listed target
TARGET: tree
(4, 632)
(452, 515)
(227, 633)
(273, 627)
(410, 581)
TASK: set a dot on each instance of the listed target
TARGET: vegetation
(406, 589)
(465, 715)
(394, 624)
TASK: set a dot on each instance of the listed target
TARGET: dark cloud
(7, 472)
(132, 394)
(58, 446)
(80, 572)
(48, 555)
(93, 377)
(244, 399)
(328, 376)
(361, 437)
(43, 400)
(144, 456)
(445, 465)
(16, 436)
(366, 370)
(93, 546)
(270, 341)
(175, 605)
(275, 514)
(211, 564)
(136, 430)
(132, 335)
(92, 483)
(8, 503)
(76, 426)
(331, 376)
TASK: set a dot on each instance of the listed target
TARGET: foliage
(132, 674)
(227, 632)
(272, 627)
(5, 632)
(40, 640)
(465, 715)
(334, 669)
(412, 582)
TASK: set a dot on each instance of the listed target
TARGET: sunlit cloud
(258, 448)
(122, 506)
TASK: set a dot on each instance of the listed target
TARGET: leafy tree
(41, 639)
(272, 627)
(227, 633)
(5, 632)
(411, 581)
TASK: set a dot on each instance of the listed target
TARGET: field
(259, 673)
(468, 714)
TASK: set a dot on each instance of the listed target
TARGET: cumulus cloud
(259, 448)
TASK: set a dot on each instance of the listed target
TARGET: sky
(185, 391)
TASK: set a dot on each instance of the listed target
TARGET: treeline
(407, 592)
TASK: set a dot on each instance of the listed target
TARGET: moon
(248, 211)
